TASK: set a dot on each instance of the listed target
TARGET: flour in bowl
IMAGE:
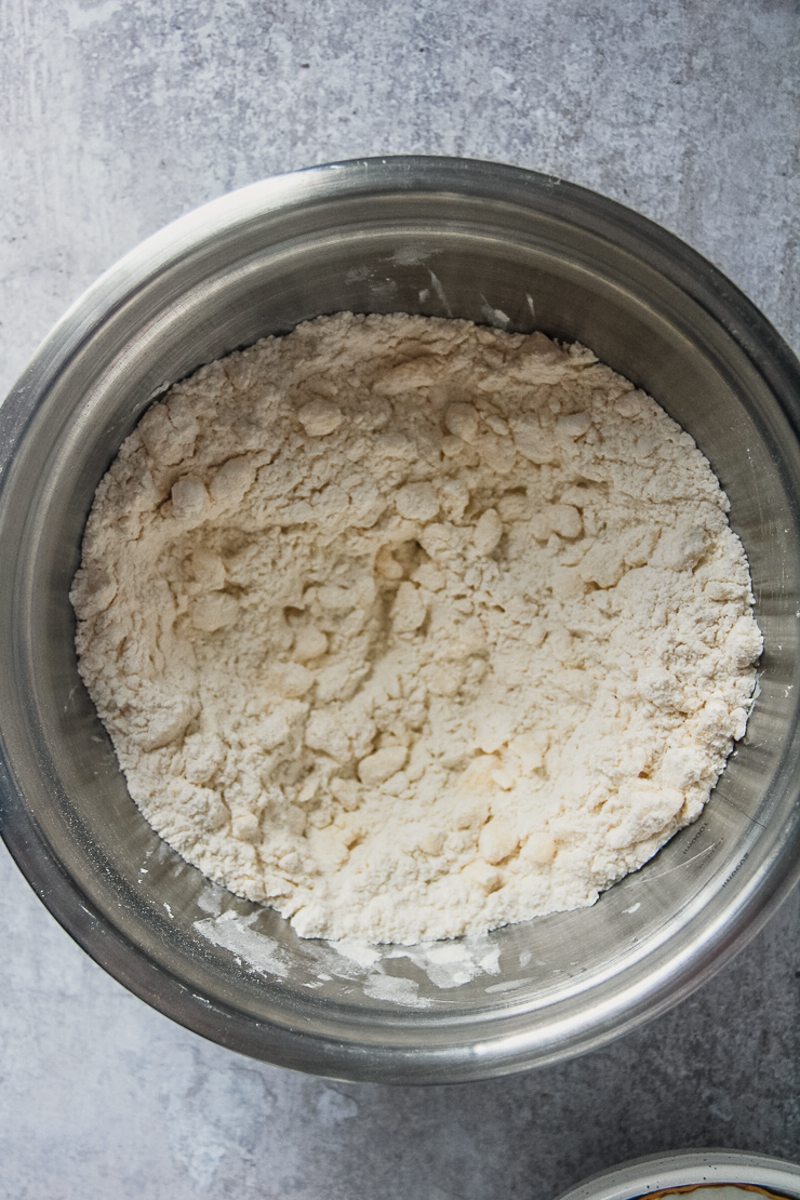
(412, 628)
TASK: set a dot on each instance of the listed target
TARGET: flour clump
(411, 628)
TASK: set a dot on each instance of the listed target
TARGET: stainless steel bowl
(442, 237)
(690, 1169)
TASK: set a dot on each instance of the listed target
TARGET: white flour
(410, 628)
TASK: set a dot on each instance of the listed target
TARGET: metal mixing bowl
(442, 237)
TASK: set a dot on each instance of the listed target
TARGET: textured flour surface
(410, 627)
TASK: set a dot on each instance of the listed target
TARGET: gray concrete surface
(116, 117)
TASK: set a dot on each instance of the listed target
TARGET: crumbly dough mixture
(411, 628)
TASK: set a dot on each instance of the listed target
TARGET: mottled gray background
(117, 116)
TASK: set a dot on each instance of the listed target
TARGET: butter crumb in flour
(412, 628)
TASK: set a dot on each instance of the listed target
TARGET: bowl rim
(639, 1177)
(631, 1005)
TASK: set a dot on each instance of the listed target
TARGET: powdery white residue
(235, 933)
(439, 292)
(396, 990)
(445, 965)
(410, 255)
(494, 316)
